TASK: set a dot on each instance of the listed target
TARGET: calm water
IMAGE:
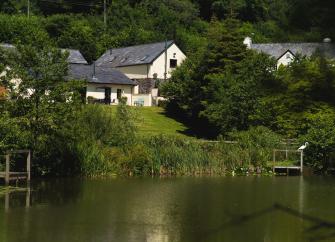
(181, 209)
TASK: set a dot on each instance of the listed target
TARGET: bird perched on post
(304, 146)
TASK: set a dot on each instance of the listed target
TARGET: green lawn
(153, 121)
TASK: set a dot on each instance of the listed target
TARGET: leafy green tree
(320, 153)
(41, 100)
(227, 8)
(225, 47)
(19, 29)
(232, 98)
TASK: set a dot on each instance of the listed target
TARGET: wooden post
(274, 160)
(7, 169)
(301, 161)
(28, 197)
(28, 165)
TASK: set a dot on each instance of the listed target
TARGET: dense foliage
(80, 25)
(222, 89)
(226, 87)
(40, 103)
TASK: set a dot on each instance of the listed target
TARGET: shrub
(255, 145)
(321, 139)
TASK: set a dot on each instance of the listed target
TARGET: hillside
(69, 24)
(154, 121)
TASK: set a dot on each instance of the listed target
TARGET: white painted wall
(136, 89)
(98, 91)
(135, 72)
(286, 59)
(146, 99)
(159, 64)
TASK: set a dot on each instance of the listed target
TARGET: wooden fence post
(301, 161)
(274, 160)
(28, 165)
(7, 169)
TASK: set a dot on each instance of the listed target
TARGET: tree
(227, 8)
(321, 138)
(41, 100)
(232, 98)
(223, 82)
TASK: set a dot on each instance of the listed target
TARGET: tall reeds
(107, 143)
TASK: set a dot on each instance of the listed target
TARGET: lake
(232, 209)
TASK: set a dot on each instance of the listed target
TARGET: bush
(255, 146)
(321, 139)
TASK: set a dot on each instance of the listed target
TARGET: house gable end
(288, 51)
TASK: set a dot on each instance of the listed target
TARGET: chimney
(93, 75)
(248, 42)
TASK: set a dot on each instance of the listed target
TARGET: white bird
(304, 146)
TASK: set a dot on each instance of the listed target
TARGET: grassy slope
(153, 121)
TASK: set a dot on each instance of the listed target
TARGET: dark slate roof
(133, 55)
(75, 57)
(102, 75)
(277, 50)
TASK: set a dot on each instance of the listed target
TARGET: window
(119, 94)
(173, 63)
(288, 56)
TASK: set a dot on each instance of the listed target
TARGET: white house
(104, 85)
(74, 58)
(285, 53)
(156, 60)
(130, 73)
(146, 64)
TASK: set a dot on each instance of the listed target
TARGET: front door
(108, 92)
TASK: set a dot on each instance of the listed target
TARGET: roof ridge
(131, 46)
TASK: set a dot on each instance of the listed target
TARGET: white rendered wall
(286, 59)
(159, 64)
(135, 72)
(147, 98)
(97, 91)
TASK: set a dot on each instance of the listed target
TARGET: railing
(9, 175)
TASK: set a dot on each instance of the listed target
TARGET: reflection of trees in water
(319, 231)
(57, 191)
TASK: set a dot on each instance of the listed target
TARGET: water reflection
(183, 209)
(18, 201)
